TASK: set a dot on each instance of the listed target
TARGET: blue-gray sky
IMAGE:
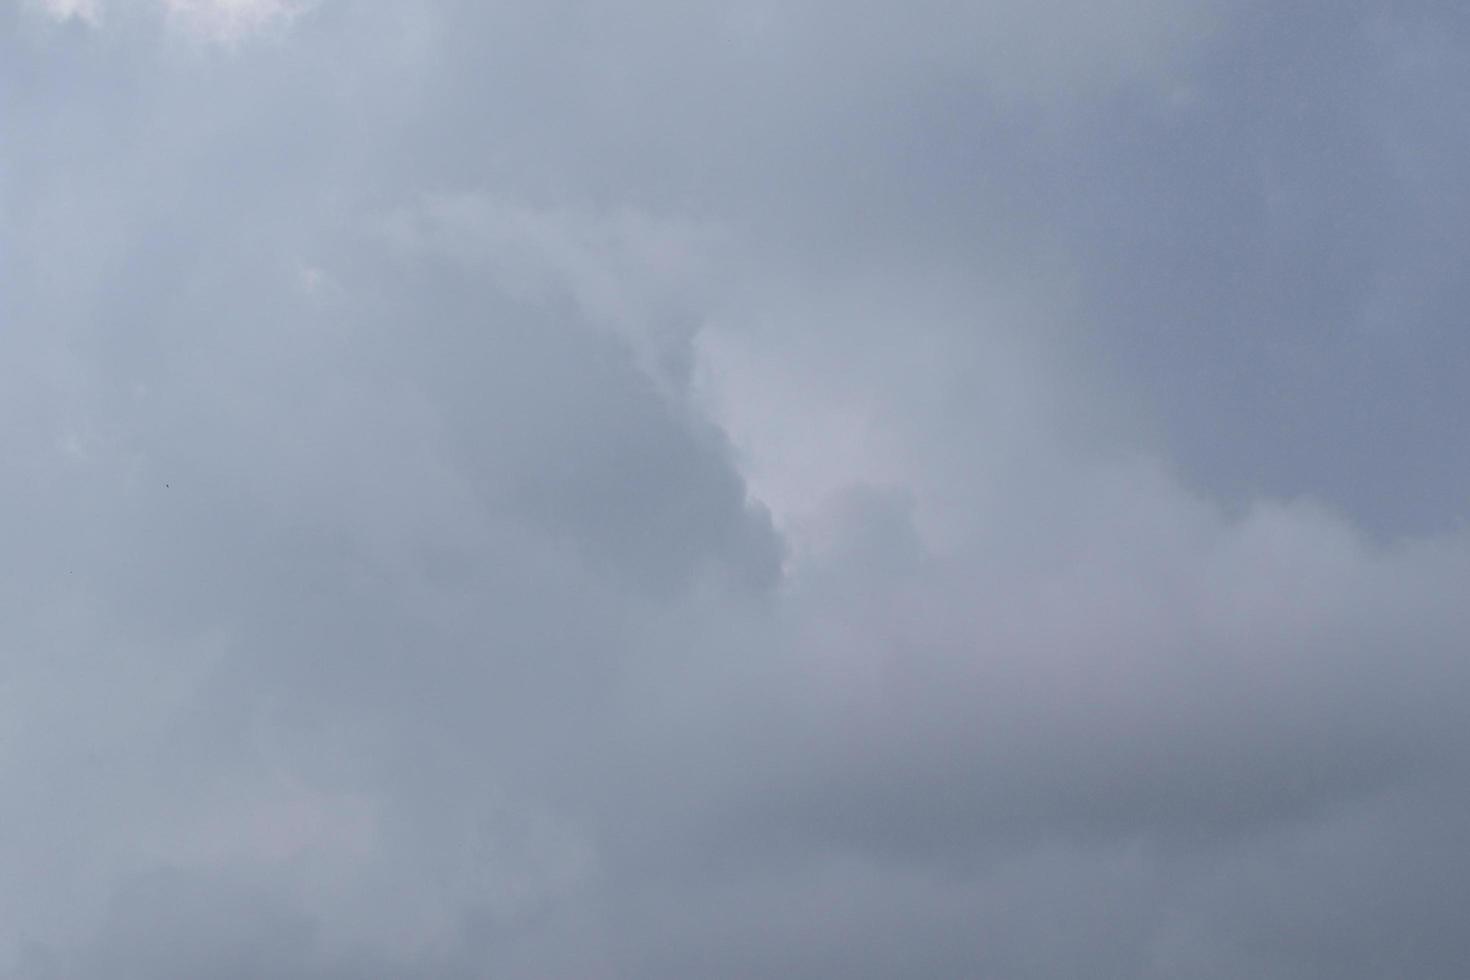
(507, 489)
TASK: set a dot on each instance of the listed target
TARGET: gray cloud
(532, 490)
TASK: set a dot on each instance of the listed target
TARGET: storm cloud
(512, 489)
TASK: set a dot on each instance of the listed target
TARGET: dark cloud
(537, 490)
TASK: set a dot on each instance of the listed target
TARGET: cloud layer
(227, 22)
(524, 490)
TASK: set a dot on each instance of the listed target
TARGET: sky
(819, 489)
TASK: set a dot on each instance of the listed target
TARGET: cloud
(215, 21)
(542, 490)
(228, 21)
(87, 11)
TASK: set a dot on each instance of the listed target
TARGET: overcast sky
(773, 488)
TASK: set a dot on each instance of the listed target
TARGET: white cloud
(86, 11)
(229, 21)
(215, 21)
